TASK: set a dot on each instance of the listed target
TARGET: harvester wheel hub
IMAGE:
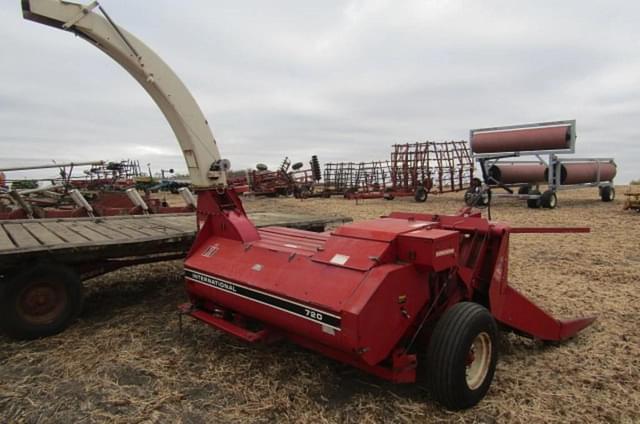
(478, 360)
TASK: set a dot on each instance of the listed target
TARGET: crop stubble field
(125, 360)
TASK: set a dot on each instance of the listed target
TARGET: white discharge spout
(196, 140)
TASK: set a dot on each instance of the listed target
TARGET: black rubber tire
(472, 193)
(534, 203)
(607, 194)
(48, 277)
(472, 198)
(468, 197)
(350, 193)
(524, 190)
(449, 349)
(549, 200)
(421, 195)
(486, 200)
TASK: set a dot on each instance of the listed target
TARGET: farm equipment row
(356, 180)
(106, 189)
(419, 169)
(414, 170)
(289, 179)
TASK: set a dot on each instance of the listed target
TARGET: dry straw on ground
(126, 361)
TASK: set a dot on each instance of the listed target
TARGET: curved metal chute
(156, 77)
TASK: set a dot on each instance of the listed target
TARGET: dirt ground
(125, 360)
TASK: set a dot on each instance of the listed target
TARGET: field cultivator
(239, 181)
(415, 169)
(109, 176)
(264, 182)
(371, 180)
(339, 178)
(288, 179)
(418, 169)
(306, 181)
(356, 180)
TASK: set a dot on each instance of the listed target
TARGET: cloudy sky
(340, 79)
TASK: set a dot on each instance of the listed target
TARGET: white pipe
(81, 201)
(188, 197)
(137, 200)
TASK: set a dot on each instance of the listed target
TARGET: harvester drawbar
(405, 297)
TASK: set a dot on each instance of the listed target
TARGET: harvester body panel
(353, 294)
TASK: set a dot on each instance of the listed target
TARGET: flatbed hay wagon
(407, 297)
(44, 261)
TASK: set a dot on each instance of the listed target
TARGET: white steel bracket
(83, 12)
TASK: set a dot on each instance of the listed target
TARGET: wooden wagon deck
(78, 240)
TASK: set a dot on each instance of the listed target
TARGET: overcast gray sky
(340, 79)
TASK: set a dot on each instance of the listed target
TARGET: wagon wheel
(607, 194)
(476, 197)
(524, 189)
(420, 195)
(468, 197)
(40, 301)
(549, 200)
(461, 356)
(534, 203)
